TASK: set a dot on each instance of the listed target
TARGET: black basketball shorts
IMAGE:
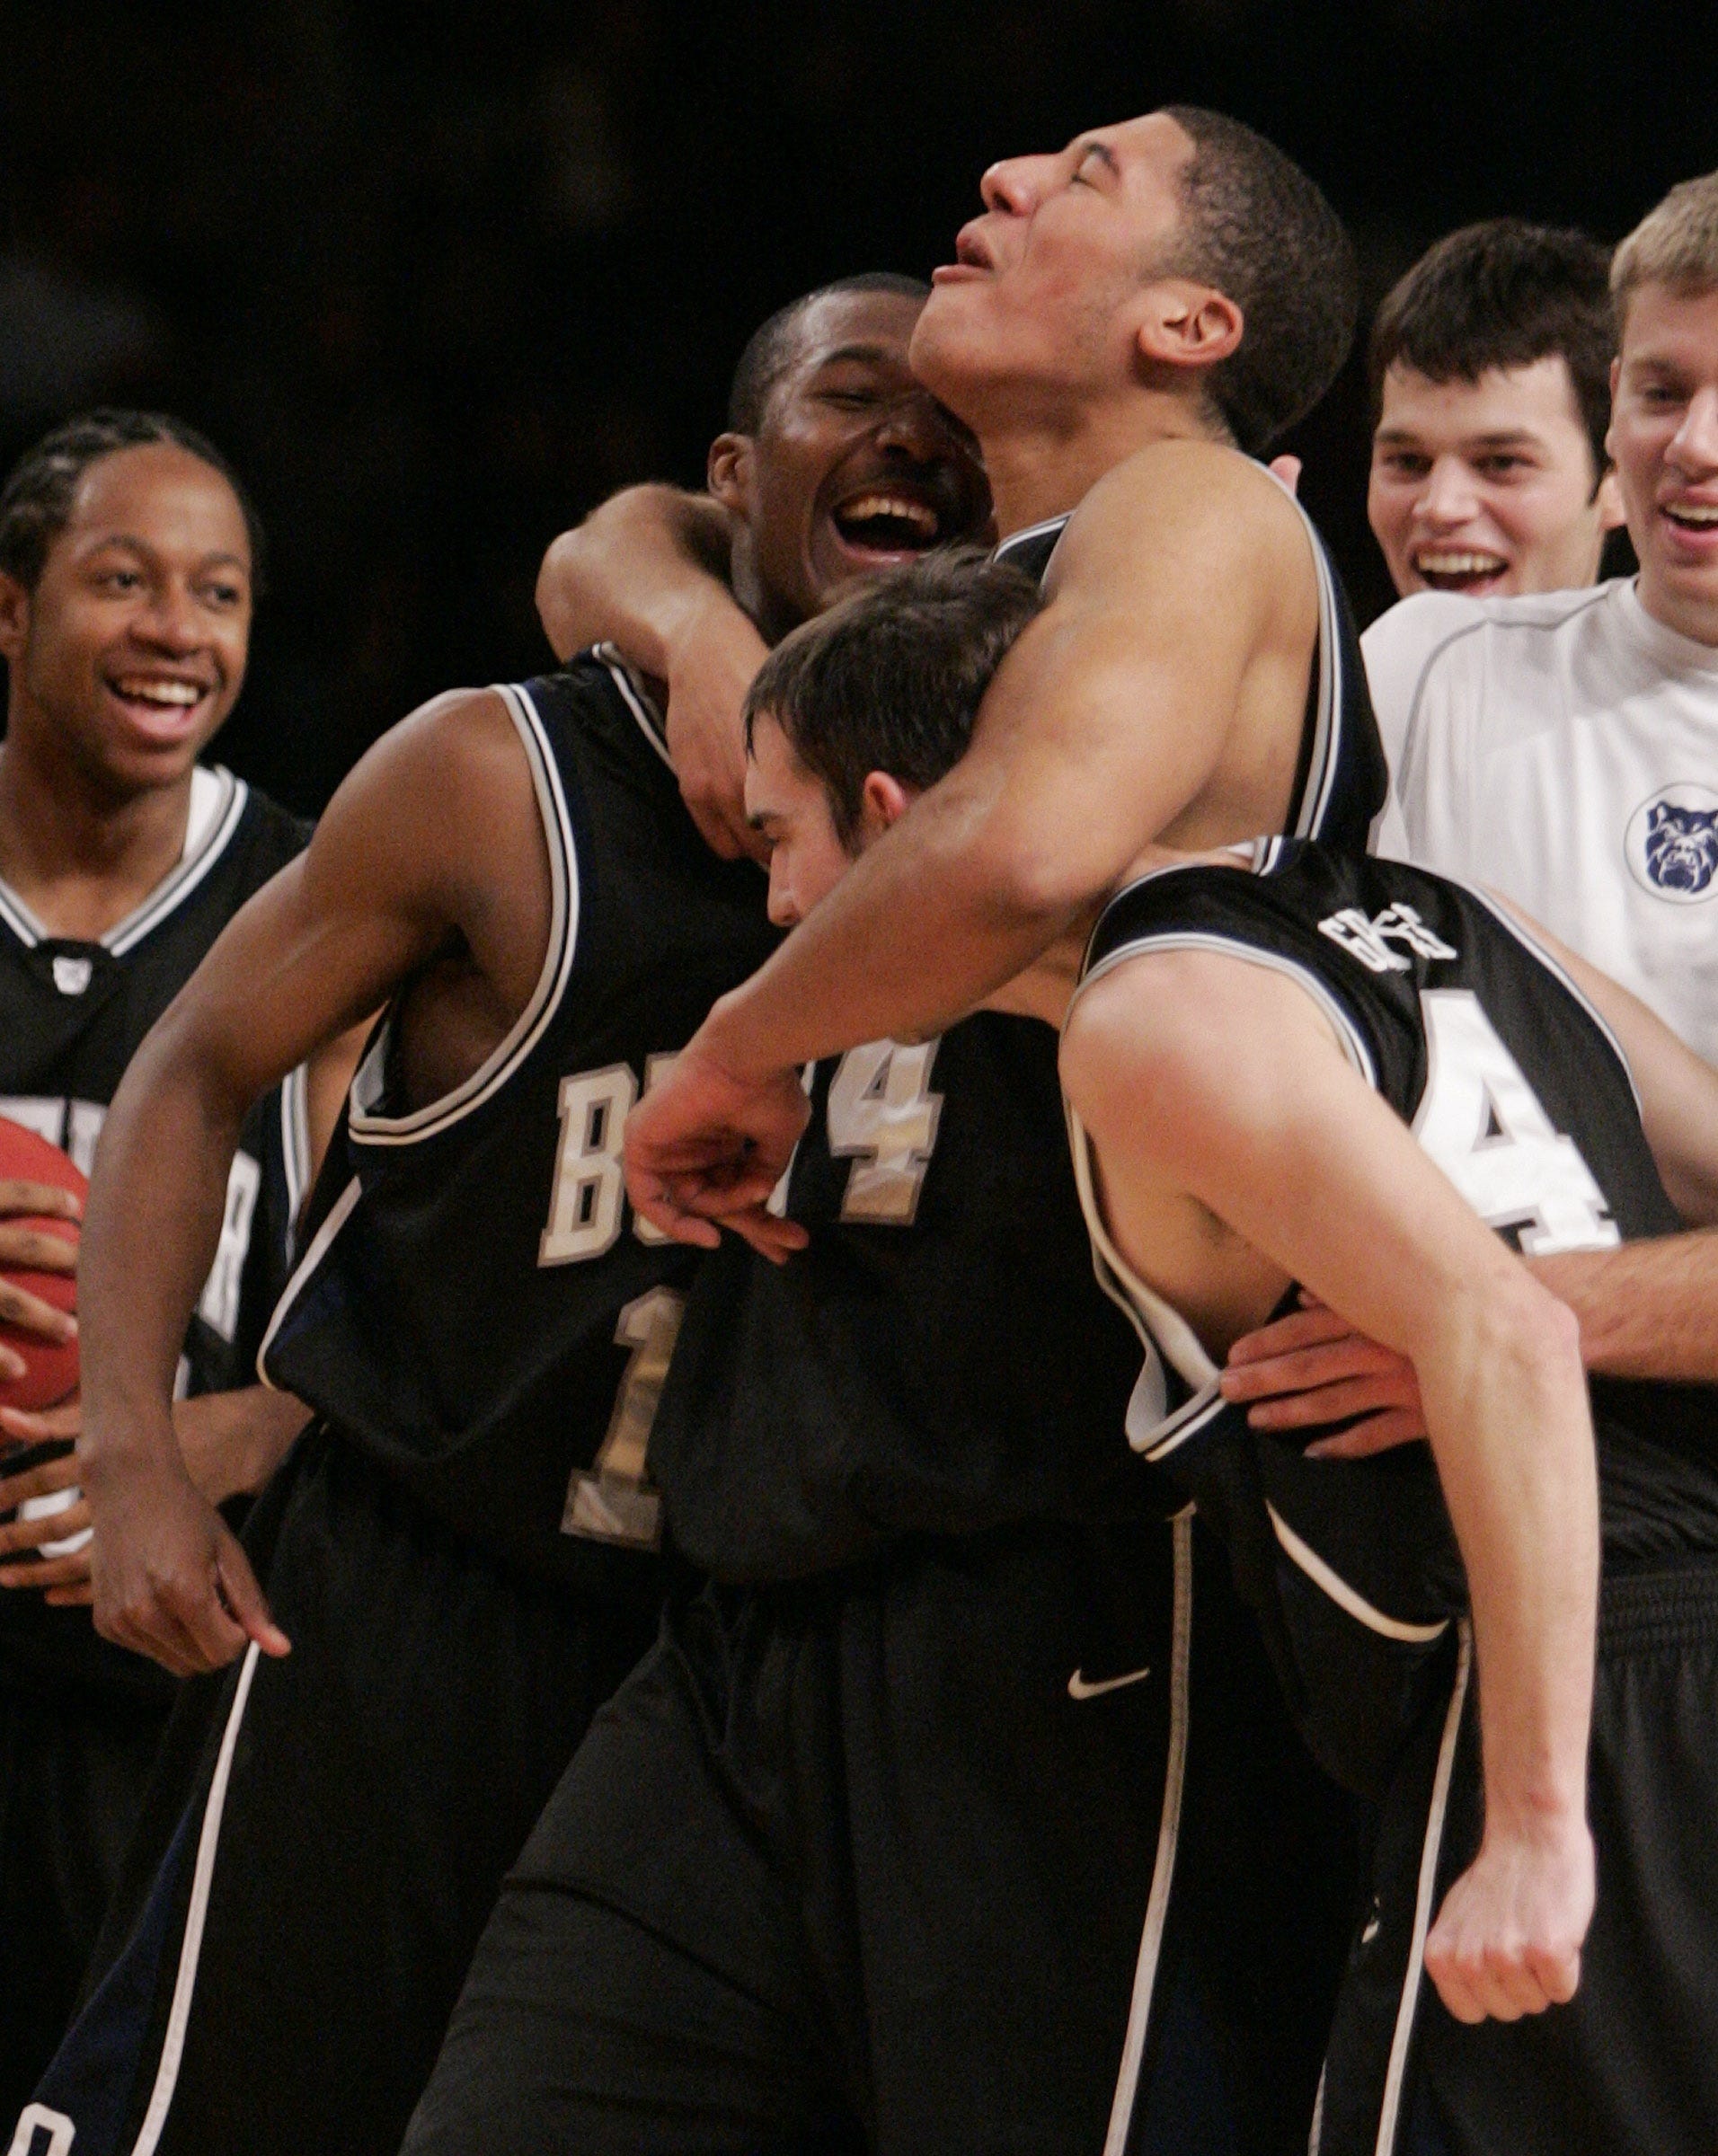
(995, 1845)
(327, 1835)
(1630, 2066)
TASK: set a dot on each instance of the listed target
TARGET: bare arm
(1103, 728)
(402, 859)
(1208, 1078)
(648, 571)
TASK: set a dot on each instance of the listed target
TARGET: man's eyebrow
(1502, 438)
(142, 546)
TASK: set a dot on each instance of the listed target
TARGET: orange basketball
(50, 1372)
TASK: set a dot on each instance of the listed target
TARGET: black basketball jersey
(1342, 778)
(476, 1304)
(71, 1016)
(1516, 1088)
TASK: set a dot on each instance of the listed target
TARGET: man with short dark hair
(1489, 365)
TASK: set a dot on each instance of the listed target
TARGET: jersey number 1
(612, 1500)
(1483, 1125)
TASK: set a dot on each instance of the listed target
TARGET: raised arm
(1181, 599)
(1207, 1079)
(648, 571)
(400, 866)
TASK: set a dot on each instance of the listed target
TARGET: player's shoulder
(1195, 510)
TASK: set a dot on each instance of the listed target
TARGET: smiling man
(1562, 748)
(128, 563)
(1490, 367)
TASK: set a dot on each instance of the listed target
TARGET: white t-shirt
(1564, 749)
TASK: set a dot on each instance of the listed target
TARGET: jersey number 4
(1483, 1125)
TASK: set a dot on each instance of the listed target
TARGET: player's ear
(882, 802)
(1182, 323)
(14, 617)
(1609, 498)
(1616, 372)
(728, 473)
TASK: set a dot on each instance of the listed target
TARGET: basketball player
(846, 1819)
(1232, 1058)
(462, 1552)
(1213, 1042)
(128, 563)
(1489, 370)
(1560, 749)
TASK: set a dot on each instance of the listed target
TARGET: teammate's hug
(925, 1362)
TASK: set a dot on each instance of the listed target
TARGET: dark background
(437, 278)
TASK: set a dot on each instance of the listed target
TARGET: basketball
(50, 1374)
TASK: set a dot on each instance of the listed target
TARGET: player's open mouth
(887, 523)
(1459, 568)
(163, 705)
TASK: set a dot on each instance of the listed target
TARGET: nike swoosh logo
(1079, 1689)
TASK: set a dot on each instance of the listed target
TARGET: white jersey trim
(653, 724)
(1002, 550)
(295, 1144)
(338, 1214)
(208, 830)
(367, 1129)
(1390, 2109)
(1162, 1872)
(190, 1946)
(1344, 1596)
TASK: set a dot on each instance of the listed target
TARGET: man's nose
(170, 620)
(1012, 188)
(1449, 496)
(1693, 446)
(917, 429)
(782, 910)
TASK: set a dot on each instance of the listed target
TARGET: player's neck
(1043, 464)
(82, 855)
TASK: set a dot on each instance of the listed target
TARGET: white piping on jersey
(528, 1028)
(338, 1214)
(1032, 531)
(1162, 1870)
(1553, 965)
(1471, 628)
(1162, 1329)
(295, 1144)
(1353, 1041)
(203, 849)
(651, 722)
(1391, 2108)
(172, 2043)
(1344, 1596)
(1324, 761)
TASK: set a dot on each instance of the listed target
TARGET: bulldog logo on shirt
(1673, 844)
